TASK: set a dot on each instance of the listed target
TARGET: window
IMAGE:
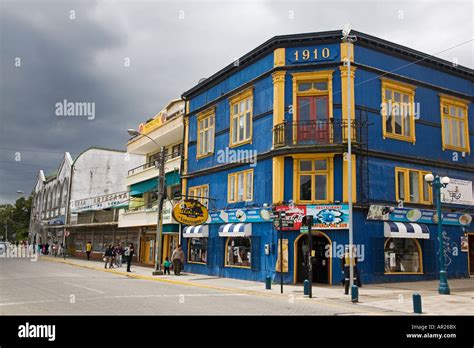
(238, 252)
(455, 130)
(197, 249)
(241, 111)
(398, 117)
(240, 186)
(199, 192)
(411, 186)
(206, 129)
(176, 150)
(313, 180)
(402, 255)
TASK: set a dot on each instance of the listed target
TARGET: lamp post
(437, 183)
(161, 186)
(349, 39)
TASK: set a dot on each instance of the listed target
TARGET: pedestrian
(55, 249)
(40, 249)
(129, 254)
(167, 265)
(46, 248)
(109, 253)
(88, 250)
(118, 254)
(178, 259)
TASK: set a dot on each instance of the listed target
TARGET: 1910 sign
(190, 212)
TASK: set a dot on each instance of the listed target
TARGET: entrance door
(471, 253)
(147, 247)
(170, 243)
(320, 261)
(313, 120)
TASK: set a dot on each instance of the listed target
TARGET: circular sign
(190, 212)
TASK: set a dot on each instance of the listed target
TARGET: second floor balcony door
(312, 125)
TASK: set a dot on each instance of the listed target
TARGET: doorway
(471, 253)
(170, 243)
(321, 263)
(313, 116)
(147, 249)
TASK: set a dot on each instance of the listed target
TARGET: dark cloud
(170, 45)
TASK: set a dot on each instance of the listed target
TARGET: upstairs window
(313, 180)
(206, 131)
(200, 193)
(241, 111)
(240, 186)
(411, 186)
(455, 130)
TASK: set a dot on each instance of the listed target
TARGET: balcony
(148, 170)
(304, 133)
(144, 215)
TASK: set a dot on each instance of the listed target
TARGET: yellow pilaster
(278, 177)
(279, 57)
(344, 76)
(345, 189)
(185, 155)
(345, 47)
(278, 97)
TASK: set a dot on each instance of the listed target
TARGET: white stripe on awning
(235, 230)
(199, 231)
(405, 230)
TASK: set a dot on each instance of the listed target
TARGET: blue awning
(406, 230)
(145, 186)
(235, 230)
(196, 231)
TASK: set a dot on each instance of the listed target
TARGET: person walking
(109, 253)
(178, 259)
(129, 254)
(167, 265)
(88, 250)
(118, 254)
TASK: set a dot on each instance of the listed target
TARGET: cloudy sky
(79, 50)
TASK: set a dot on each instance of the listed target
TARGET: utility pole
(309, 222)
(160, 165)
(281, 253)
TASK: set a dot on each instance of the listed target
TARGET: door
(147, 247)
(320, 261)
(471, 253)
(313, 120)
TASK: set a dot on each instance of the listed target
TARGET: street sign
(304, 229)
(287, 223)
(278, 214)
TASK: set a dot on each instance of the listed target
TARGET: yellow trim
(278, 178)
(420, 254)
(208, 113)
(235, 175)
(193, 192)
(295, 254)
(278, 97)
(186, 141)
(344, 74)
(345, 195)
(421, 183)
(225, 255)
(279, 57)
(344, 48)
(446, 100)
(329, 174)
(246, 94)
(311, 76)
(402, 88)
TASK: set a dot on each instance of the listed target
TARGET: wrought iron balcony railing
(301, 133)
(142, 167)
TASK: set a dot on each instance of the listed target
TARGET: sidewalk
(394, 298)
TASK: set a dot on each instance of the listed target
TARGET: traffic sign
(287, 223)
(304, 229)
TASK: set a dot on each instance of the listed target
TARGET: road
(52, 288)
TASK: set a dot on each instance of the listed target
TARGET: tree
(16, 219)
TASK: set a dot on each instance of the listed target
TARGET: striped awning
(199, 231)
(405, 230)
(235, 230)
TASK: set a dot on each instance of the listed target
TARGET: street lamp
(437, 183)
(161, 190)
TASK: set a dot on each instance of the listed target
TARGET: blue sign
(312, 54)
(240, 215)
(329, 216)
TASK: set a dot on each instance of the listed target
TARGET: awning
(406, 230)
(235, 230)
(199, 231)
(172, 178)
(145, 186)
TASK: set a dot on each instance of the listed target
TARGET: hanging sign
(190, 212)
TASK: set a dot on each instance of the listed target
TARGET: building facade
(165, 129)
(270, 133)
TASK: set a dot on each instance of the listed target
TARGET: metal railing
(150, 164)
(300, 133)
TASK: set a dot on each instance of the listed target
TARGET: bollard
(306, 287)
(355, 293)
(268, 283)
(417, 303)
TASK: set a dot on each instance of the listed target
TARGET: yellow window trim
(447, 100)
(421, 181)
(403, 88)
(248, 93)
(329, 182)
(205, 114)
(420, 253)
(225, 255)
(193, 192)
(235, 175)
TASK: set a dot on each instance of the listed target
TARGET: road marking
(84, 287)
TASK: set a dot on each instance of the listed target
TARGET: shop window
(402, 255)
(398, 116)
(206, 131)
(238, 252)
(241, 111)
(199, 193)
(411, 186)
(455, 130)
(197, 250)
(313, 180)
(240, 186)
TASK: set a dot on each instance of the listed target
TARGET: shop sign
(240, 215)
(156, 122)
(423, 216)
(457, 192)
(190, 212)
(168, 213)
(113, 200)
(56, 221)
(295, 213)
(312, 54)
(329, 216)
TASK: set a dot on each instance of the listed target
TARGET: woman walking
(109, 253)
(129, 253)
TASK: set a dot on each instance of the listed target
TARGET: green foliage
(16, 218)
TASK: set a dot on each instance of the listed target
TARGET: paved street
(51, 286)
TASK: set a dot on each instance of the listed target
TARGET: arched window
(238, 252)
(403, 255)
(65, 191)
